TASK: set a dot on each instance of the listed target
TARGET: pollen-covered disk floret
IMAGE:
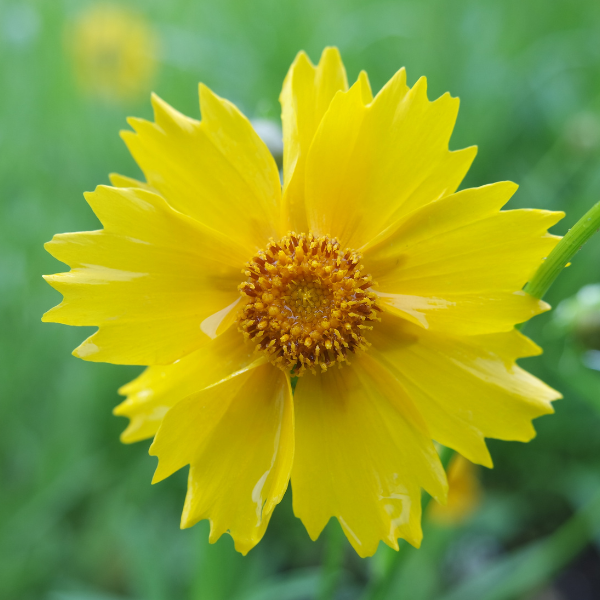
(308, 302)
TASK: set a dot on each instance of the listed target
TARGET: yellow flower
(464, 493)
(114, 51)
(367, 260)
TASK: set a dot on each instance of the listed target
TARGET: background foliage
(79, 519)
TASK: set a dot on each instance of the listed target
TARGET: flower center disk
(308, 303)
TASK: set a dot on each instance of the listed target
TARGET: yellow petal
(367, 94)
(362, 455)
(159, 388)
(464, 313)
(306, 95)
(467, 388)
(369, 164)
(443, 181)
(464, 494)
(238, 438)
(220, 321)
(458, 265)
(123, 181)
(148, 280)
(218, 170)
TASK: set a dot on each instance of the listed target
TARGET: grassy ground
(78, 517)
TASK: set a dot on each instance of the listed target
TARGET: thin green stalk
(332, 565)
(378, 590)
(564, 251)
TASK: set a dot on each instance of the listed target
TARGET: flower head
(391, 296)
(113, 51)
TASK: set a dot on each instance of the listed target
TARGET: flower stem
(564, 251)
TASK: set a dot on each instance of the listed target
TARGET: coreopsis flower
(464, 494)
(388, 294)
(114, 51)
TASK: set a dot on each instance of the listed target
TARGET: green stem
(332, 565)
(379, 590)
(564, 251)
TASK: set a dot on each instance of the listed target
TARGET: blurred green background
(79, 519)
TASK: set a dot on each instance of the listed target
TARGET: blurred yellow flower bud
(114, 52)
(464, 494)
